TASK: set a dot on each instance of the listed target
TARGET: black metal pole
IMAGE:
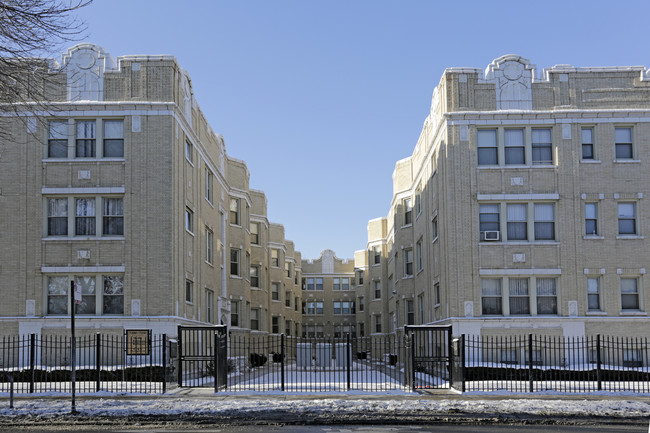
(73, 346)
(179, 349)
(164, 363)
(599, 376)
(98, 362)
(282, 360)
(32, 361)
(348, 360)
(530, 362)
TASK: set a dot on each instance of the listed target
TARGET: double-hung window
(487, 147)
(189, 151)
(255, 319)
(377, 285)
(593, 293)
(408, 211)
(113, 139)
(319, 284)
(517, 222)
(408, 262)
(514, 147)
(591, 219)
(519, 298)
(234, 261)
(542, 146)
(189, 291)
(209, 245)
(491, 296)
(418, 253)
(255, 276)
(627, 219)
(489, 222)
(189, 220)
(85, 217)
(57, 217)
(275, 258)
(623, 143)
(209, 181)
(85, 143)
(377, 255)
(587, 135)
(234, 211)
(57, 143)
(255, 233)
(546, 296)
(275, 291)
(113, 218)
(629, 294)
(544, 222)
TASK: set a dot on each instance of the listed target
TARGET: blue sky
(321, 98)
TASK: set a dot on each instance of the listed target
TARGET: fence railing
(43, 364)
(532, 363)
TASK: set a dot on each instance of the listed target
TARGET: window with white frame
(113, 139)
(57, 216)
(107, 301)
(234, 313)
(275, 291)
(189, 220)
(491, 299)
(514, 147)
(408, 211)
(209, 245)
(409, 312)
(275, 258)
(377, 323)
(627, 219)
(542, 146)
(255, 233)
(591, 219)
(235, 257)
(418, 201)
(434, 228)
(544, 222)
(377, 285)
(519, 299)
(360, 303)
(255, 276)
(546, 295)
(418, 254)
(487, 147)
(319, 284)
(587, 136)
(85, 220)
(57, 143)
(209, 185)
(436, 294)
(489, 225)
(421, 309)
(209, 306)
(189, 151)
(85, 146)
(623, 143)
(517, 222)
(235, 211)
(85, 217)
(345, 284)
(593, 293)
(630, 294)
(310, 285)
(360, 277)
(189, 291)
(287, 269)
(287, 299)
(336, 283)
(376, 254)
(255, 319)
(113, 218)
(408, 262)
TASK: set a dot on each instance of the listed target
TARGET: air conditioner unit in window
(491, 235)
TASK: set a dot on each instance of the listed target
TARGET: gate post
(348, 361)
(450, 354)
(599, 376)
(180, 356)
(215, 362)
(32, 361)
(412, 372)
(98, 357)
(164, 363)
(530, 362)
(282, 361)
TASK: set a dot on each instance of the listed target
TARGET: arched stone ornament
(187, 97)
(327, 260)
(469, 308)
(85, 65)
(512, 77)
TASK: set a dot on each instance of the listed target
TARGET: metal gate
(202, 356)
(430, 355)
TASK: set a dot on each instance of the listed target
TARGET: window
(287, 327)
(420, 309)
(287, 299)
(436, 294)
(319, 284)
(491, 296)
(623, 143)
(109, 301)
(209, 306)
(418, 202)
(319, 307)
(255, 319)
(234, 211)
(310, 284)
(360, 275)
(113, 220)
(287, 269)
(546, 296)
(209, 181)
(410, 312)
(544, 222)
(337, 307)
(189, 151)
(542, 146)
(85, 217)
(591, 219)
(255, 276)
(209, 245)
(57, 295)
(626, 219)
(487, 147)
(57, 217)
(489, 222)
(275, 291)
(275, 325)
(408, 262)
(88, 299)
(362, 329)
(57, 143)
(255, 233)
(275, 258)
(234, 261)
(434, 228)
(234, 313)
(336, 283)
(377, 255)
(519, 300)
(377, 285)
(377, 323)
(593, 294)
(85, 144)
(296, 303)
(189, 220)
(361, 306)
(345, 284)
(408, 211)
(189, 291)
(514, 147)
(113, 296)
(588, 143)
(629, 294)
(113, 139)
(517, 222)
(418, 253)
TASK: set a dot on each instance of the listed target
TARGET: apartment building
(329, 301)
(117, 182)
(521, 209)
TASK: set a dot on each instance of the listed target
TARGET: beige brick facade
(523, 207)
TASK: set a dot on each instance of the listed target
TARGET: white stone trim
(83, 190)
(533, 271)
(502, 197)
(84, 269)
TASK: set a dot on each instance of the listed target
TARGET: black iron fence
(533, 363)
(40, 363)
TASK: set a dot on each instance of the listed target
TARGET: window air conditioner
(492, 235)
